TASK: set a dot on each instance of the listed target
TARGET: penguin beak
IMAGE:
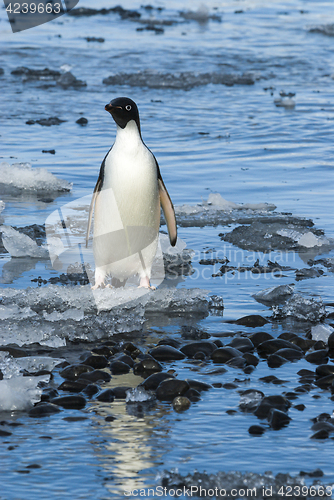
(110, 108)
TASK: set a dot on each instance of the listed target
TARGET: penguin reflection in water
(127, 199)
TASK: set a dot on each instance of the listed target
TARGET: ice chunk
(274, 294)
(321, 332)
(138, 395)
(302, 309)
(20, 245)
(75, 314)
(15, 312)
(21, 176)
(20, 393)
(216, 200)
(82, 313)
(249, 399)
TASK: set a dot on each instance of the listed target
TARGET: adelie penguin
(127, 199)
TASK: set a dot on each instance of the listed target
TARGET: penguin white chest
(127, 209)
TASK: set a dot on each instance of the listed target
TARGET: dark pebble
(94, 39)
(259, 337)
(49, 393)
(243, 344)
(171, 388)
(119, 367)
(51, 151)
(300, 407)
(324, 370)
(146, 367)
(290, 354)
(96, 376)
(96, 361)
(291, 396)
(120, 392)
(181, 403)
(166, 353)
(102, 351)
(278, 419)
(125, 358)
(73, 372)
(107, 396)
(192, 395)
(253, 320)
(275, 361)
(230, 386)
(317, 357)
(317, 346)
(132, 349)
(193, 333)
(43, 410)
(207, 348)
(325, 382)
(82, 121)
(90, 390)
(5, 433)
(271, 379)
(272, 346)
(224, 354)
(199, 355)
(323, 426)
(218, 343)
(320, 435)
(70, 402)
(307, 373)
(73, 385)
(271, 402)
(314, 473)
(251, 359)
(331, 341)
(152, 382)
(199, 386)
(256, 430)
(172, 342)
(110, 418)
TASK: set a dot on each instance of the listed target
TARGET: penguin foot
(101, 285)
(145, 283)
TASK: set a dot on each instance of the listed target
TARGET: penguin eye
(128, 107)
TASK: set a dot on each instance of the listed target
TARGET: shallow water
(208, 138)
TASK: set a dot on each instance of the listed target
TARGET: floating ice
(20, 245)
(321, 332)
(20, 393)
(184, 80)
(22, 177)
(302, 309)
(16, 391)
(216, 210)
(306, 239)
(274, 294)
(276, 232)
(15, 312)
(138, 395)
(54, 313)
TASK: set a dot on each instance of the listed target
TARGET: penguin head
(123, 110)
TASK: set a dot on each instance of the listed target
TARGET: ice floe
(321, 332)
(21, 245)
(184, 80)
(18, 392)
(301, 308)
(50, 315)
(22, 177)
(274, 294)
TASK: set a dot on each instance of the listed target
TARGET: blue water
(251, 151)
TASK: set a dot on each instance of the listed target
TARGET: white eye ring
(128, 107)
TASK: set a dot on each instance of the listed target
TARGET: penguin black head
(123, 110)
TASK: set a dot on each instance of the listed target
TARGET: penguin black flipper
(168, 208)
(96, 191)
